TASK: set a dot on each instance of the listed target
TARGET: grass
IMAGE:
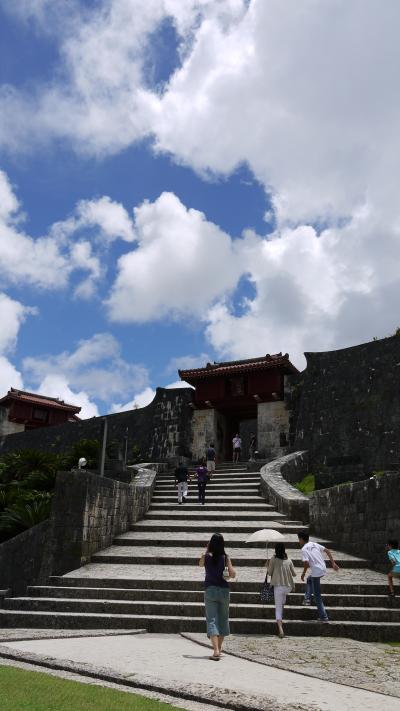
(306, 485)
(393, 644)
(34, 691)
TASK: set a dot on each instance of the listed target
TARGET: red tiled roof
(35, 399)
(240, 366)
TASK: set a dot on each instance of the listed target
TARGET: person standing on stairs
(312, 555)
(282, 572)
(218, 570)
(210, 458)
(181, 479)
(202, 480)
(237, 446)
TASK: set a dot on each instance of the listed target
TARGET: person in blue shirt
(393, 553)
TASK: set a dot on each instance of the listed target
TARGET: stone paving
(172, 664)
(369, 666)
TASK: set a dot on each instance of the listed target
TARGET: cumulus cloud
(57, 386)
(187, 361)
(176, 268)
(75, 245)
(300, 92)
(139, 400)
(12, 316)
(95, 367)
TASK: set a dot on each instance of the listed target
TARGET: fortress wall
(162, 430)
(349, 407)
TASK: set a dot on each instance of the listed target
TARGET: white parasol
(266, 535)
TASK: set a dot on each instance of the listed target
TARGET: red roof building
(245, 397)
(20, 411)
(240, 384)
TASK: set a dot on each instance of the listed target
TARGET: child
(393, 552)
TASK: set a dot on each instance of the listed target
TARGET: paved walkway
(177, 664)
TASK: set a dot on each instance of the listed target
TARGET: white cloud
(187, 361)
(300, 92)
(75, 245)
(12, 316)
(57, 386)
(178, 384)
(46, 262)
(95, 366)
(139, 400)
(10, 377)
(182, 263)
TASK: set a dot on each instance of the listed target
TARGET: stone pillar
(272, 429)
(204, 427)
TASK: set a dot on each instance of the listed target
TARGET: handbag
(266, 592)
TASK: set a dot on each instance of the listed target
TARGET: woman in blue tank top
(218, 570)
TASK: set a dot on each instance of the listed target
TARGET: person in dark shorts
(202, 479)
(237, 446)
(218, 570)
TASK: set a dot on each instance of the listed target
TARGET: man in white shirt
(237, 446)
(312, 555)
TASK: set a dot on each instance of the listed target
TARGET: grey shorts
(216, 601)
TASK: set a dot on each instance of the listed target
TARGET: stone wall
(276, 489)
(204, 424)
(7, 427)
(162, 430)
(272, 428)
(26, 559)
(88, 511)
(360, 516)
(350, 407)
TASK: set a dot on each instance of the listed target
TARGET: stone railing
(87, 513)
(276, 488)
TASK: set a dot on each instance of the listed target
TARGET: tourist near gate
(245, 397)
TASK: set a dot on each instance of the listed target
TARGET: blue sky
(178, 183)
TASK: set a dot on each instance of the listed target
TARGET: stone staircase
(150, 578)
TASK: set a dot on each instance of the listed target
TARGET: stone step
(201, 513)
(136, 555)
(250, 598)
(364, 631)
(226, 526)
(214, 489)
(220, 501)
(185, 538)
(256, 505)
(189, 609)
(178, 578)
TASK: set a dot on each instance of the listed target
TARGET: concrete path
(180, 664)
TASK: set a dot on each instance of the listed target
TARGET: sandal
(214, 658)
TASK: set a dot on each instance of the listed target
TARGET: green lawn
(22, 690)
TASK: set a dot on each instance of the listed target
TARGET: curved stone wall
(276, 489)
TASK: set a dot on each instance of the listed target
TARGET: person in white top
(312, 555)
(237, 446)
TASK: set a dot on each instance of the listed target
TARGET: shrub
(306, 485)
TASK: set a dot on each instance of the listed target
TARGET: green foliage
(87, 448)
(135, 455)
(306, 485)
(27, 511)
(378, 475)
(18, 465)
(23, 690)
